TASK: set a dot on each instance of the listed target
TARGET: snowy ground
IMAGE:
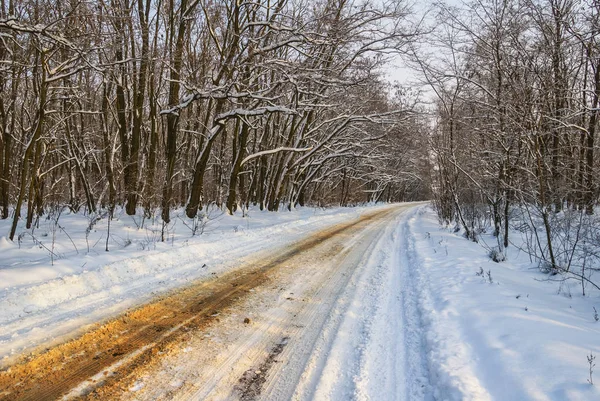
(49, 292)
(509, 335)
(393, 308)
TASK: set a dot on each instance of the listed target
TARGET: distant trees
(160, 103)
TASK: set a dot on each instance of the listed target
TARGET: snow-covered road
(337, 322)
(330, 317)
(44, 302)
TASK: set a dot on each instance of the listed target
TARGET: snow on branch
(271, 151)
(235, 113)
(12, 24)
(221, 92)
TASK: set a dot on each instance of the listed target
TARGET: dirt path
(107, 361)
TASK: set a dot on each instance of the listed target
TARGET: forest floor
(372, 303)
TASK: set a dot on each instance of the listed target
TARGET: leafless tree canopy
(155, 104)
(517, 84)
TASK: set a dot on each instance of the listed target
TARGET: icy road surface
(332, 316)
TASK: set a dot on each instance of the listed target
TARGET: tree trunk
(589, 154)
(235, 169)
(27, 157)
(173, 118)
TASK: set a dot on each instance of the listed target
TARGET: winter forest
(516, 114)
(153, 105)
(159, 104)
(299, 200)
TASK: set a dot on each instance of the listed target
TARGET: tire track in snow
(451, 378)
(371, 347)
(317, 279)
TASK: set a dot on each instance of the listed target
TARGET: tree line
(517, 85)
(156, 104)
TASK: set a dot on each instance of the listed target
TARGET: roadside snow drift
(505, 334)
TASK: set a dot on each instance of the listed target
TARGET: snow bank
(506, 334)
